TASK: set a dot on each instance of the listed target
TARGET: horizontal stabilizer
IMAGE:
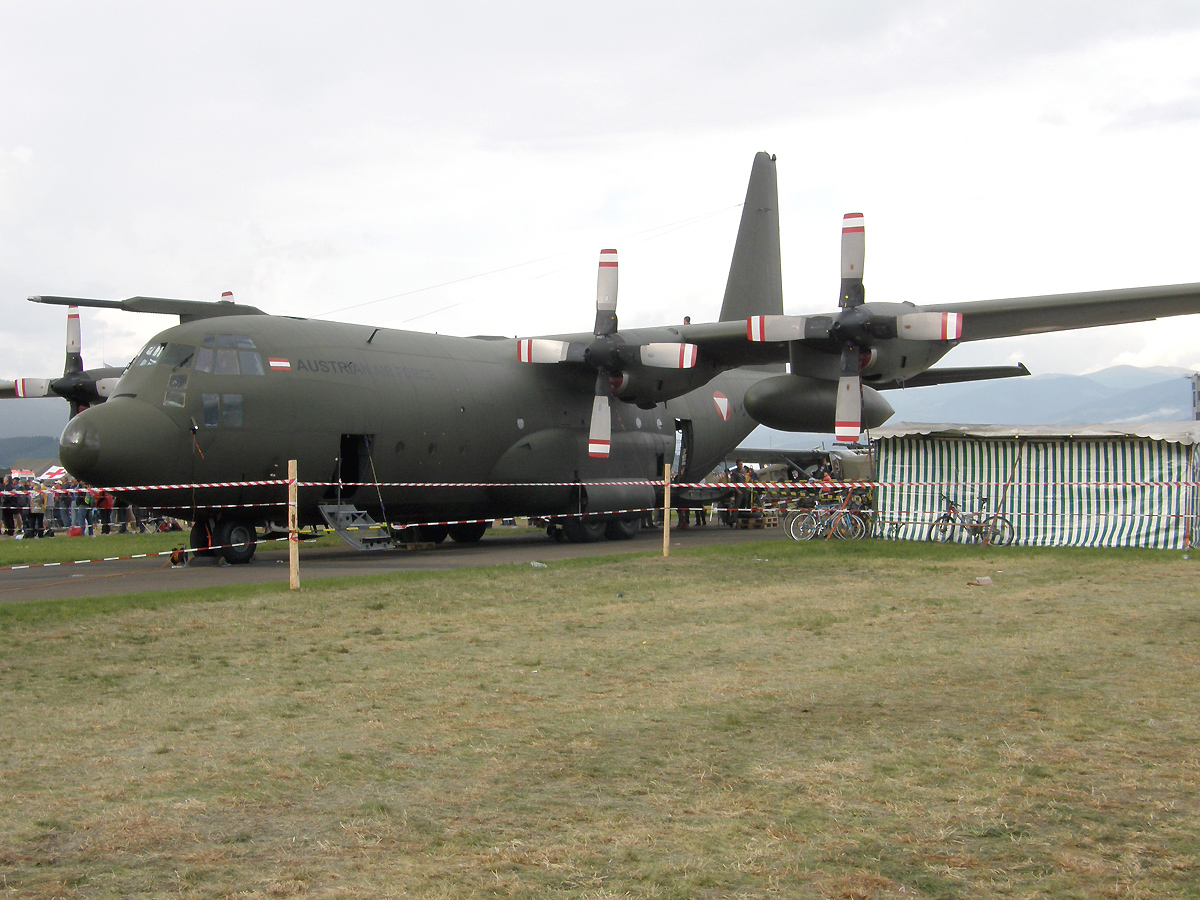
(955, 376)
(187, 310)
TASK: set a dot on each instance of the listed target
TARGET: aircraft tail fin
(755, 285)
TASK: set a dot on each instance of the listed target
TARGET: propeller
(78, 387)
(609, 354)
(857, 328)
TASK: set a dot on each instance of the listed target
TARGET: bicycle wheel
(848, 527)
(942, 530)
(999, 531)
(791, 520)
(867, 518)
(803, 527)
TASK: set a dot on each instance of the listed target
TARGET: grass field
(764, 720)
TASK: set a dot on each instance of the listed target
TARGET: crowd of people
(33, 510)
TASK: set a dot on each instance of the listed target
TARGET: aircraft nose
(123, 441)
(78, 447)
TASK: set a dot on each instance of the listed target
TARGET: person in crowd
(9, 504)
(62, 505)
(88, 499)
(104, 503)
(683, 511)
(35, 523)
(77, 505)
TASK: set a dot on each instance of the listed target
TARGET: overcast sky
(455, 167)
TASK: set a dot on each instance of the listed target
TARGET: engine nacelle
(796, 403)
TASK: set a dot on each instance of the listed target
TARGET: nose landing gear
(233, 537)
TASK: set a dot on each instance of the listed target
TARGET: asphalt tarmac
(100, 579)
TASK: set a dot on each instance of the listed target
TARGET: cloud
(314, 158)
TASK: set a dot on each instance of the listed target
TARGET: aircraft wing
(726, 343)
(985, 319)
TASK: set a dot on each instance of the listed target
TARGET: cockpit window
(228, 354)
(204, 354)
(173, 355)
(177, 356)
(251, 362)
(227, 361)
(149, 355)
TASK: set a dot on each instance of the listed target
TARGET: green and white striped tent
(1077, 485)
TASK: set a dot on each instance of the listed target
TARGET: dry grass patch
(765, 720)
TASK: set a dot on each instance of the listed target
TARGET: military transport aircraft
(417, 428)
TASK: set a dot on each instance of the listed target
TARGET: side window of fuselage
(223, 410)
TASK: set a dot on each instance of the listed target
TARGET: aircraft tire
(467, 533)
(237, 539)
(581, 532)
(425, 534)
(201, 539)
(622, 529)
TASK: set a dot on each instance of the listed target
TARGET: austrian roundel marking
(722, 404)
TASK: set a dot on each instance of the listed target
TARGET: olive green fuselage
(231, 400)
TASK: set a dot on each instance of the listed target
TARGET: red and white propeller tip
(669, 356)
(606, 281)
(32, 387)
(600, 430)
(539, 350)
(854, 245)
(848, 411)
(929, 326)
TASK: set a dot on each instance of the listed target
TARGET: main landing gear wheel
(424, 534)
(468, 532)
(622, 529)
(237, 539)
(578, 531)
(201, 539)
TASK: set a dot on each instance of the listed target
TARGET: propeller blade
(854, 250)
(32, 387)
(786, 328)
(600, 430)
(538, 350)
(669, 356)
(929, 326)
(606, 294)
(847, 410)
(74, 363)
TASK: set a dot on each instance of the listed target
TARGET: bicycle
(994, 529)
(840, 521)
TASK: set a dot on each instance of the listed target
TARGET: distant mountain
(1115, 395)
(21, 418)
(26, 448)
(1120, 394)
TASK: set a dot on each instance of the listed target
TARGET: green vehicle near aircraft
(394, 429)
